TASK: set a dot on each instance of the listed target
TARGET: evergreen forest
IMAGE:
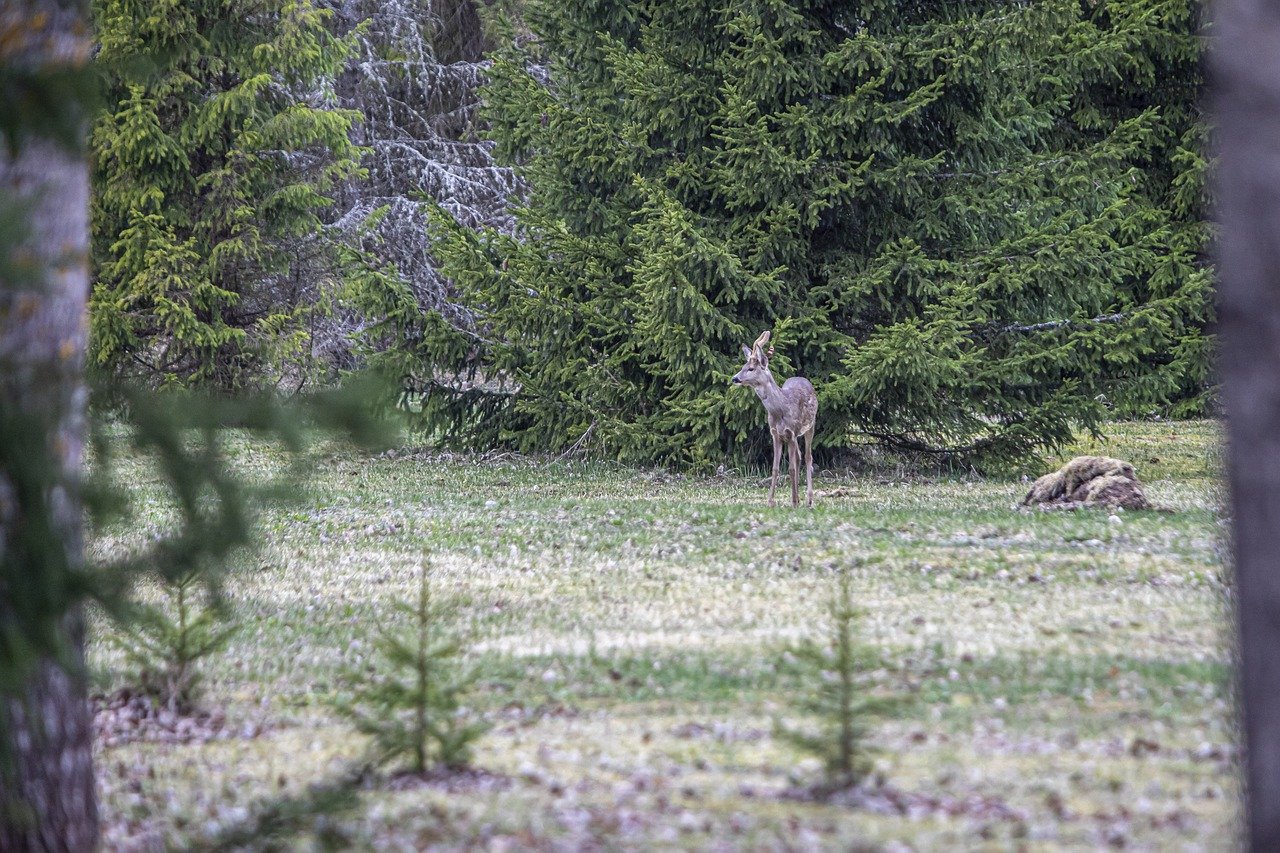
(977, 227)
(388, 392)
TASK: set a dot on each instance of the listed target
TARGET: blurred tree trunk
(47, 799)
(1247, 104)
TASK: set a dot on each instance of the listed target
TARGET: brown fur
(1090, 481)
(792, 410)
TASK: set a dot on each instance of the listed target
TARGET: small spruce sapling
(410, 701)
(833, 694)
(167, 641)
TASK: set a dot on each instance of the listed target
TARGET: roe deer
(792, 411)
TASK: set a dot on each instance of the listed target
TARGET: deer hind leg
(793, 459)
(777, 460)
(808, 465)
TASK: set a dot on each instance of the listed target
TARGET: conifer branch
(1063, 324)
(913, 445)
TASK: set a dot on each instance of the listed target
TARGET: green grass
(627, 626)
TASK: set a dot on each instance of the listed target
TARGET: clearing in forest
(1065, 675)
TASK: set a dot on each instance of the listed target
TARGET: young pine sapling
(409, 701)
(166, 641)
(834, 696)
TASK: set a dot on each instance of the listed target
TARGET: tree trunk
(1246, 100)
(47, 797)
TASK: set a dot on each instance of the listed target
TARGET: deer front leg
(793, 459)
(808, 466)
(777, 460)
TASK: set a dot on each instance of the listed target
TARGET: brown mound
(1089, 481)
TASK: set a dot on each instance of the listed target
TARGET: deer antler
(762, 340)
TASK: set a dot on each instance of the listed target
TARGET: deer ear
(746, 351)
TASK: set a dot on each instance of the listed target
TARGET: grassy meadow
(1065, 675)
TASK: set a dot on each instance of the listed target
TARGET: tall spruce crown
(978, 245)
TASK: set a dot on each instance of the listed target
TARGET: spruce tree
(419, 70)
(167, 642)
(409, 701)
(213, 163)
(975, 226)
(834, 696)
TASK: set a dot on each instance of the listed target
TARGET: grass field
(1066, 676)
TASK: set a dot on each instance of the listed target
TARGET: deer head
(756, 371)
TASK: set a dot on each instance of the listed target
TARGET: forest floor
(1065, 675)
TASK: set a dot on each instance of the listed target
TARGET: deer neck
(775, 402)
